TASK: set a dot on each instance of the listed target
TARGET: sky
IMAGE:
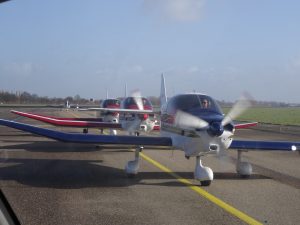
(221, 48)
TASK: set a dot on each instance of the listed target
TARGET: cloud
(176, 10)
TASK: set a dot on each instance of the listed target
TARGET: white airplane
(132, 119)
(135, 114)
(193, 123)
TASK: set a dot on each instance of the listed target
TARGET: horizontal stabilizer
(88, 138)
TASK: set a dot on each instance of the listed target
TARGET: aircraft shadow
(63, 174)
(49, 146)
(54, 146)
(75, 174)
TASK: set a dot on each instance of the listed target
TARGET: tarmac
(49, 182)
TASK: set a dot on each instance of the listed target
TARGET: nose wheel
(202, 173)
(132, 167)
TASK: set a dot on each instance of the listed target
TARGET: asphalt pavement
(49, 182)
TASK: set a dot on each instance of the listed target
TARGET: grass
(283, 116)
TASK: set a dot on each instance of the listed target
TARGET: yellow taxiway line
(204, 193)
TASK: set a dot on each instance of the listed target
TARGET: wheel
(245, 176)
(131, 175)
(205, 182)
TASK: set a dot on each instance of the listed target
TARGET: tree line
(27, 98)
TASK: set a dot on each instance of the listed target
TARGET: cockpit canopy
(111, 103)
(130, 103)
(193, 103)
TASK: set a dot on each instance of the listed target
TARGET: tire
(205, 183)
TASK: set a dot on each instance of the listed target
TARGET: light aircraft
(186, 124)
(135, 113)
(133, 118)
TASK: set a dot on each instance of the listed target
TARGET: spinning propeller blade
(138, 99)
(183, 119)
(239, 107)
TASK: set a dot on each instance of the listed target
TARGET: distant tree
(77, 98)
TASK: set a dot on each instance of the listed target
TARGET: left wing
(88, 138)
(265, 145)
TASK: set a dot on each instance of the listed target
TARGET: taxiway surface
(49, 182)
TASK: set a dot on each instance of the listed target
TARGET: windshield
(194, 103)
(111, 102)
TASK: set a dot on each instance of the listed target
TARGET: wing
(88, 138)
(245, 125)
(265, 145)
(69, 122)
(135, 111)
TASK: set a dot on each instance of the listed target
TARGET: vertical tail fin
(163, 94)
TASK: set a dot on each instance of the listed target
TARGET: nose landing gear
(202, 173)
(132, 167)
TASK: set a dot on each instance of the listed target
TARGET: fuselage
(195, 140)
(110, 116)
(147, 121)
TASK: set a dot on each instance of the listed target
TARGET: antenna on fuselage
(163, 92)
(125, 90)
(106, 93)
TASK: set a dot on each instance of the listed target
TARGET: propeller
(183, 119)
(134, 125)
(138, 99)
(239, 107)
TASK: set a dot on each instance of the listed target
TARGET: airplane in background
(134, 118)
(188, 124)
(135, 114)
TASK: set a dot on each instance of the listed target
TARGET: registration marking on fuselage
(239, 214)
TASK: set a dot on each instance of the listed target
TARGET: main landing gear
(132, 167)
(202, 173)
(244, 169)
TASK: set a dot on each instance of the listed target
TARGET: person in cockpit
(205, 103)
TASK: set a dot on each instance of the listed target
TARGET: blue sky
(222, 48)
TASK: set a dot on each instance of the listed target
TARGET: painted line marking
(244, 217)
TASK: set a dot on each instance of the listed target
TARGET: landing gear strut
(132, 167)
(113, 132)
(85, 130)
(204, 174)
(244, 169)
